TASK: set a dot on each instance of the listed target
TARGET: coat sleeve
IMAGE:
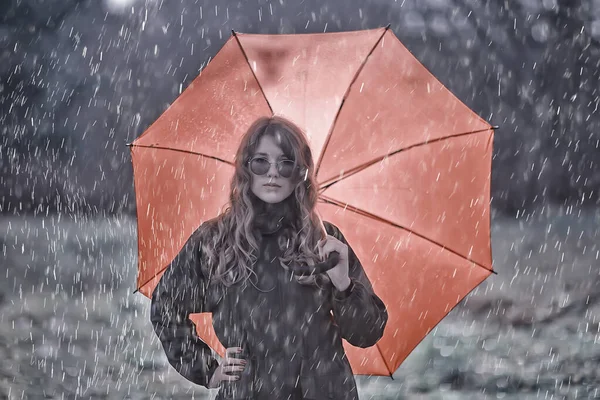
(181, 291)
(358, 311)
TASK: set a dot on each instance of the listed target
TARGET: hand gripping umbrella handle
(332, 261)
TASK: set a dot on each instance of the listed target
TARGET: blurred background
(79, 79)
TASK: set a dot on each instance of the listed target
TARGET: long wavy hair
(231, 244)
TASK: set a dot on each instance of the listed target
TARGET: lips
(271, 185)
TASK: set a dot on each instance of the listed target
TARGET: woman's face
(271, 187)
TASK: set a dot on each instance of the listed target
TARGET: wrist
(341, 284)
(341, 295)
(212, 379)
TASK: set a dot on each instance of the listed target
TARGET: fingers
(225, 377)
(234, 361)
(329, 244)
(325, 246)
(231, 351)
(228, 369)
(230, 378)
(231, 354)
(231, 366)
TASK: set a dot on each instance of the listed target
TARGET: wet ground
(71, 327)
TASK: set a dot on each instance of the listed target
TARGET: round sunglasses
(261, 165)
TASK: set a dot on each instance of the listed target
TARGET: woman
(254, 267)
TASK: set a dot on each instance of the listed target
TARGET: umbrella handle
(332, 261)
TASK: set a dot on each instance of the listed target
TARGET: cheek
(290, 188)
(255, 181)
(254, 186)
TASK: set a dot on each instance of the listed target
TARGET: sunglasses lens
(286, 168)
(259, 166)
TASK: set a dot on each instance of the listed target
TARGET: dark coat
(291, 333)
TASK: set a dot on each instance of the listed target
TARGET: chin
(271, 199)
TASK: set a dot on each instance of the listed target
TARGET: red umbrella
(403, 168)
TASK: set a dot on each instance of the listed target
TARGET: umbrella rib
(148, 281)
(364, 213)
(361, 167)
(358, 71)
(436, 324)
(184, 151)
(137, 212)
(180, 151)
(253, 74)
(384, 361)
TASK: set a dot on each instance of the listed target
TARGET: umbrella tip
(233, 32)
(495, 127)
(388, 26)
(128, 144)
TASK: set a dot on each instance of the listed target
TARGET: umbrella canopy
(403, 168)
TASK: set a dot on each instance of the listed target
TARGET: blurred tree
(572, 77)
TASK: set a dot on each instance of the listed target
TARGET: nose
(273, 170)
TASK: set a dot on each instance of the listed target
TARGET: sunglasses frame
(277, 163)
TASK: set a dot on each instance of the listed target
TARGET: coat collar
(270, 220)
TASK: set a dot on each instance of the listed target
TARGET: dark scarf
(271, 218)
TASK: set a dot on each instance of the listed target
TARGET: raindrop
(540, 31)
(439, 24)
(414, 21)
(595, 29)
(437, 4)
(549, 4)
